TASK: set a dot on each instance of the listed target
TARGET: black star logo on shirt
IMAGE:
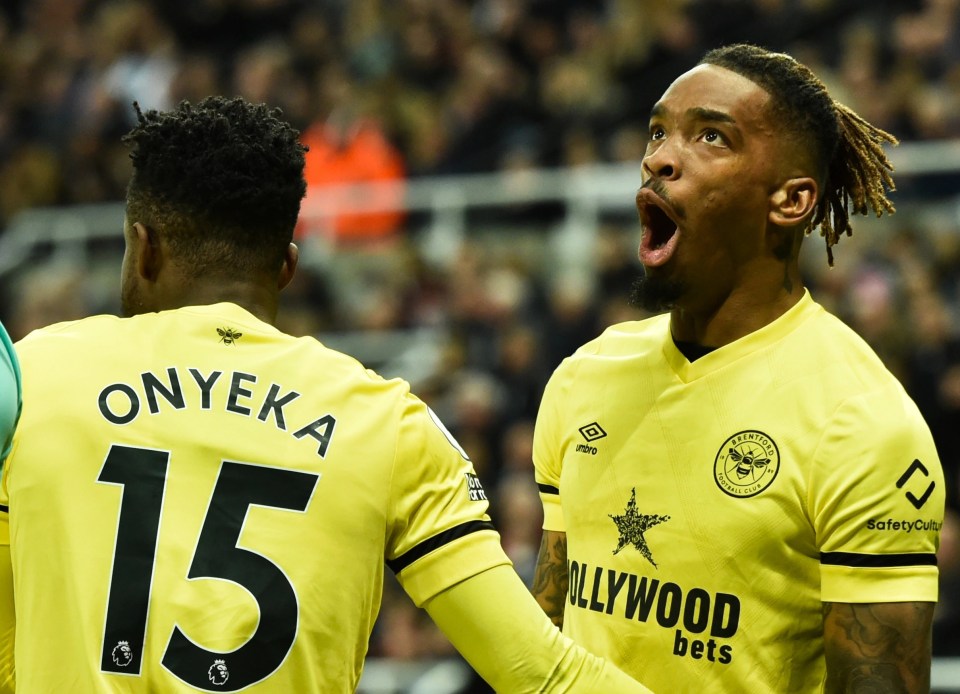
(632, 525)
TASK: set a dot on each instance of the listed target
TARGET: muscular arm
(878, 647)
(550, 581)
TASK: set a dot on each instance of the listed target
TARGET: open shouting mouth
(660, 229)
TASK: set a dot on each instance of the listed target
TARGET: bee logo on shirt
(746, 464)
(122, 654)
(228, 336)
(218, 672)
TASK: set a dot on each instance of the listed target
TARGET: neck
(742, 311)
(260, 299)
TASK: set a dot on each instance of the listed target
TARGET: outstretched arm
(550, 582)
(495, 624)
(877, 648)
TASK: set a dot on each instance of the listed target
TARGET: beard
(655, 294)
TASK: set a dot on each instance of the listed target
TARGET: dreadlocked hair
(851, 164)
(221, 180)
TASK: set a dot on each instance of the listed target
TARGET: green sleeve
(10, 394)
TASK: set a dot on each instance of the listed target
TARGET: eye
(657, 132)
(713, 137)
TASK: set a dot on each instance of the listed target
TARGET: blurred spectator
(47, 296)
(571, 318)
(516, 507)
(349, 147)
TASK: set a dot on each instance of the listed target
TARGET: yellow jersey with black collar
(711, 507)
(199, 502)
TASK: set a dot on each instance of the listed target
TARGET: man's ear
(290, 259)
(793, 202)
(149, 256)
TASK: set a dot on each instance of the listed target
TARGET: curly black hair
(848, 151)
(221, 181)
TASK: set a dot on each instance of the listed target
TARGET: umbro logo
(590, 432)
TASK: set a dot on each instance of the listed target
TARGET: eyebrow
(710, 114)
(697, 112)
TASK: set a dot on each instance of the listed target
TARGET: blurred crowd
(392, 90)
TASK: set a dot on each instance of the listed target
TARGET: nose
(661, 161)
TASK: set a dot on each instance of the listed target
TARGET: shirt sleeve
(439, 532)
(877, 502)
(495, 623)
(548, 448)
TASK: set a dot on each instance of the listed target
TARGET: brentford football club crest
(746, 464)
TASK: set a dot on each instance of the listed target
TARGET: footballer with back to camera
(197, 501)
(717, 480)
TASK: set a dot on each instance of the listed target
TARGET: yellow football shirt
(711, 507)
(198, 501)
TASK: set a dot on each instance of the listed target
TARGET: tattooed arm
(877, 647)
(550, 579)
